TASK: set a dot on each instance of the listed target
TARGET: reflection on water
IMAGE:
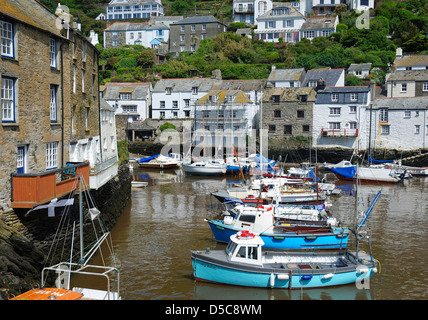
(165, 221)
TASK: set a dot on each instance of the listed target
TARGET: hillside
(392, 24)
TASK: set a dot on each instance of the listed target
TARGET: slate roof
(239, 97)
(414, 103)
(292, 12)
(411, 60)
(359, 66)
(348, 89)
(243, 85)
(112, 90)
(184, 84)
(413, 75)
(197, 20)
(32, 13)
(331, 76)
(318, 22)
(286, 74)
(129, 26)
(289, 94)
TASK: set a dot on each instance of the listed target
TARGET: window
(334, 97)
(404, 87)
(221, 114)
(326, 33)
(220, 126)
(229, 98)
(84, 51)
(129, 109)
(193, 27)
(384, 129)
(52, 52)
(308, 34)
(305, 128)
(300, 114)
(187, 103)
(383, 115)
(175, 104)
(194, 90)
(288, 129)
(354, 96)
(205, 114)
(334, 111)
(87, 119)
(334, 125)
(175, 114)
(303, 98)
(125, 96)
(277, 113)
(162, 104)
(407, 114)
(168, 90)
(353, 125)
(182, 28)
(162, 114)
(8, 99)
(204, 27)
(275, 98)
(182, 37)
(417, 129)
(6, 36)
(272, 128)
(51, 155)
(425, 86)
(352, 109)
(74, 78)
(83, 80)
(312, 83)
(53, 103)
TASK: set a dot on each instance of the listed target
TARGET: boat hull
(364, 175)
(205, 269)
(203, 171)
(292, 241)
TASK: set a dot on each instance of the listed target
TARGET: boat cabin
(245, 247)
(256, 219)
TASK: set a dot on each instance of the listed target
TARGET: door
(21, 159)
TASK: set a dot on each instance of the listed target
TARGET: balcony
(30, 189)
(339, 132)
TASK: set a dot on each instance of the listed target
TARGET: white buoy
(272, 280)
(328, 276)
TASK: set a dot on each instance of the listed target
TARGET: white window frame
(354, 97)
(7, 96)
(334, 97)
(51, 155)
(334, 125)
(52, 53)
(404, 87)
(383, 115)
(335, 111)
(352, 109)
(7, 39)
(53, 106)
(384, 129)
(407, 114)
(83, 80)
(417, 129)
(425, 86)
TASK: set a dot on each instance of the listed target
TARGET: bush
(167, 125)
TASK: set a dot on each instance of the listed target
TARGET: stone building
(49, 97)
(288, 112)
(186, 34)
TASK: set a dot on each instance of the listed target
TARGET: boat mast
(82, 259)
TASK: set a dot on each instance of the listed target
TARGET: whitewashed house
(145, 34)
(407, 83)
(340, 117)
(107, 168)
(134, 9)
(360, 5)
(224, 118)
(400, 123)
(131, 99)
(282, 21)
(174, 98)
(360, 70)
(286, 78)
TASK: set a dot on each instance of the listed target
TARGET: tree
(146, 58)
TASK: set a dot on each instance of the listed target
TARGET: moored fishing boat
(245, 263)
(204, 168)
(283, 230)
(368, 174)
(158, 161)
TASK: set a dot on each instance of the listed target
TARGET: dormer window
(303, 98)
(229, 98)
(168, 90)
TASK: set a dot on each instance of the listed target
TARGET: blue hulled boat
(244, 263)
(282, 231)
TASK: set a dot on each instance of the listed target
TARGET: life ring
(245, 234)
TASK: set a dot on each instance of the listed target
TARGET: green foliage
(167, 125)
(122, 151)
(146, 58)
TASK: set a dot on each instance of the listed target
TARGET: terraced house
(49, 105)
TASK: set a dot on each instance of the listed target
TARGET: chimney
(272, 68)
(216, 74)
(372, 89)
(320, 84)
(399, 53)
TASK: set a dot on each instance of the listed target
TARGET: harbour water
(164, 221)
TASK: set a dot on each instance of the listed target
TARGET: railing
(339, 132)
(30, 189)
